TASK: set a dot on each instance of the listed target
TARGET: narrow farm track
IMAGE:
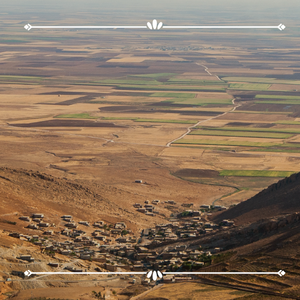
(207, 71)
(189, 129)
(200, 122)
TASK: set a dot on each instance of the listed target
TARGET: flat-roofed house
(37, 216)
(25, 218)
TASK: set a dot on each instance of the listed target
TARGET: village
(114, 247)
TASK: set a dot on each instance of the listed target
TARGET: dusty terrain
(80, 121)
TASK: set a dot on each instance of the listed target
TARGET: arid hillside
(278, 199)
(25, 192)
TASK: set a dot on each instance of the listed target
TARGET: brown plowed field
(67, 123)
(196, 173)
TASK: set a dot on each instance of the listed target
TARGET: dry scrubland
(194, 291)
(105, 116)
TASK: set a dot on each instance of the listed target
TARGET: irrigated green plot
(189, 98)
(173, 95)
(270, 135)
(202, 102)
(256, 173)
(155, 75)
(128, 81)
(285, 102)
(252, 129)
(261, 112)
(170, 87)
(156, 86)
(151, 120)
(290, 145)
(10, 77)
(226, 143)
(288, 122)
(260, 80)
(118, 118)
(278, 149)
(249, 86)
(167, 121)
(196, 82)
(77, 116)
(277, 97)
(11, 41)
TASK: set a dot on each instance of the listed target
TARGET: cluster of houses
(37, 220)
(72, 240)
(150, 209)
(190, 227)
(206, 207)
(114, 246)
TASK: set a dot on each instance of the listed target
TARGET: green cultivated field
(278, 149)
(288, 122)
(154, 85)
(118, 118)
(155, 75)
(128, 81)
(260, 80)
(277, 97)
(13, 77)
(170, 87)
(202, 102)
(195, 82)
(256, 173)
(241, 134)
(290, 102)
(227, 143)
(150, 82)
(151, 120)
(166, 121)
(260, 112)
(173, 95)
(249, 86)
(290, 145)
(11, 41)
(77, 116)
(189, 98)
(151, 85)
(251, 129)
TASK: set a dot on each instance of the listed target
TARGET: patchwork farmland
(200, 107)
(137, 137)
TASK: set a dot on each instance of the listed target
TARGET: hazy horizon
(240, 10)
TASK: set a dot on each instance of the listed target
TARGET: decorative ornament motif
(27, 273)
(154, 25)
(155, 274)
(27, 26)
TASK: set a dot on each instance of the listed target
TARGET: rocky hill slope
(25, 192)
(278, 199)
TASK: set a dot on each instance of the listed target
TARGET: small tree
(98, 295)
(185, 214)
(124, 232)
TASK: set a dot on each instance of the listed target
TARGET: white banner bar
(154, 26)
